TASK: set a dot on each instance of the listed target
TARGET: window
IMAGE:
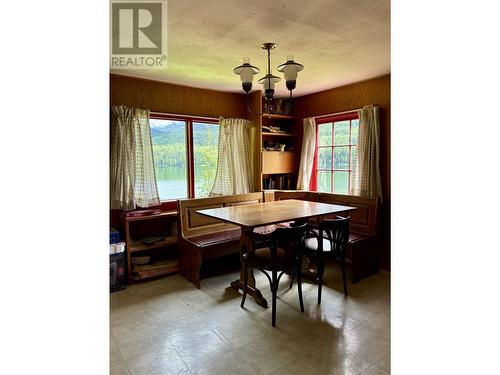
(185, 154)
(169, 153)
(205, 145)
(336, 153)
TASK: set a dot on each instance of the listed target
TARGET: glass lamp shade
(246, 73)
(268, 81)
(290, 70)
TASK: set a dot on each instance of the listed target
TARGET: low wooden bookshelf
(162, 225)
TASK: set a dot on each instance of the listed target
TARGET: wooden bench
(361, 252)
(202, 238)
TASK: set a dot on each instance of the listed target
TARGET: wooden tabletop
(259, 214)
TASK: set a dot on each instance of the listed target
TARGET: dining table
(263, 218)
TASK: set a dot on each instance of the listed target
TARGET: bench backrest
(297, 194)
(193, 224)
(363, 219)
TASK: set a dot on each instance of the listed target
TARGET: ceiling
(338, 42)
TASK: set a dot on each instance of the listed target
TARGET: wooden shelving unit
(160, 269)
(278, 167)
(135, 246)
(162, 252)
(272, 168)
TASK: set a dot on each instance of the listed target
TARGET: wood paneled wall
(177, 99)
(255, 103)
(374, 91)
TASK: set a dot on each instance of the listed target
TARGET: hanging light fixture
(246, 72)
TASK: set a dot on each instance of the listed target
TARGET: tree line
(174, 155)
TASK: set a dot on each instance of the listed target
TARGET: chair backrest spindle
(337, 233)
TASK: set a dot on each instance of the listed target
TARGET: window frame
(189, 120)
(326, 120)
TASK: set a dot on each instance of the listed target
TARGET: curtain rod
(340, 113)
(181, 115)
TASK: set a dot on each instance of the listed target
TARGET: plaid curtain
(307, 154)
(132, 172)
(234, 172)
(367, 175)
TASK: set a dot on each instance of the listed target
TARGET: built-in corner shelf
(278, 168)
(272, 168)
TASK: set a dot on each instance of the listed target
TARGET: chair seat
(262, 258)
(268, 229)
(311, 245)
(353, 237)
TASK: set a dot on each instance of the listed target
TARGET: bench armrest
(189, 241)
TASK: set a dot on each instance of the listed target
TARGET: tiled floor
(167, 326)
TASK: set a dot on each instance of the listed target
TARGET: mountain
(155, 132)
(174, 132)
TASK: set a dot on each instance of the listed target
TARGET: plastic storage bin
(114, 236)
(117, 272)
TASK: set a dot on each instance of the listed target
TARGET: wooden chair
(282, 254)
(335, 237)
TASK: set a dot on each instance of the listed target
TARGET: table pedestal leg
(251, 291)
(247, 245)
